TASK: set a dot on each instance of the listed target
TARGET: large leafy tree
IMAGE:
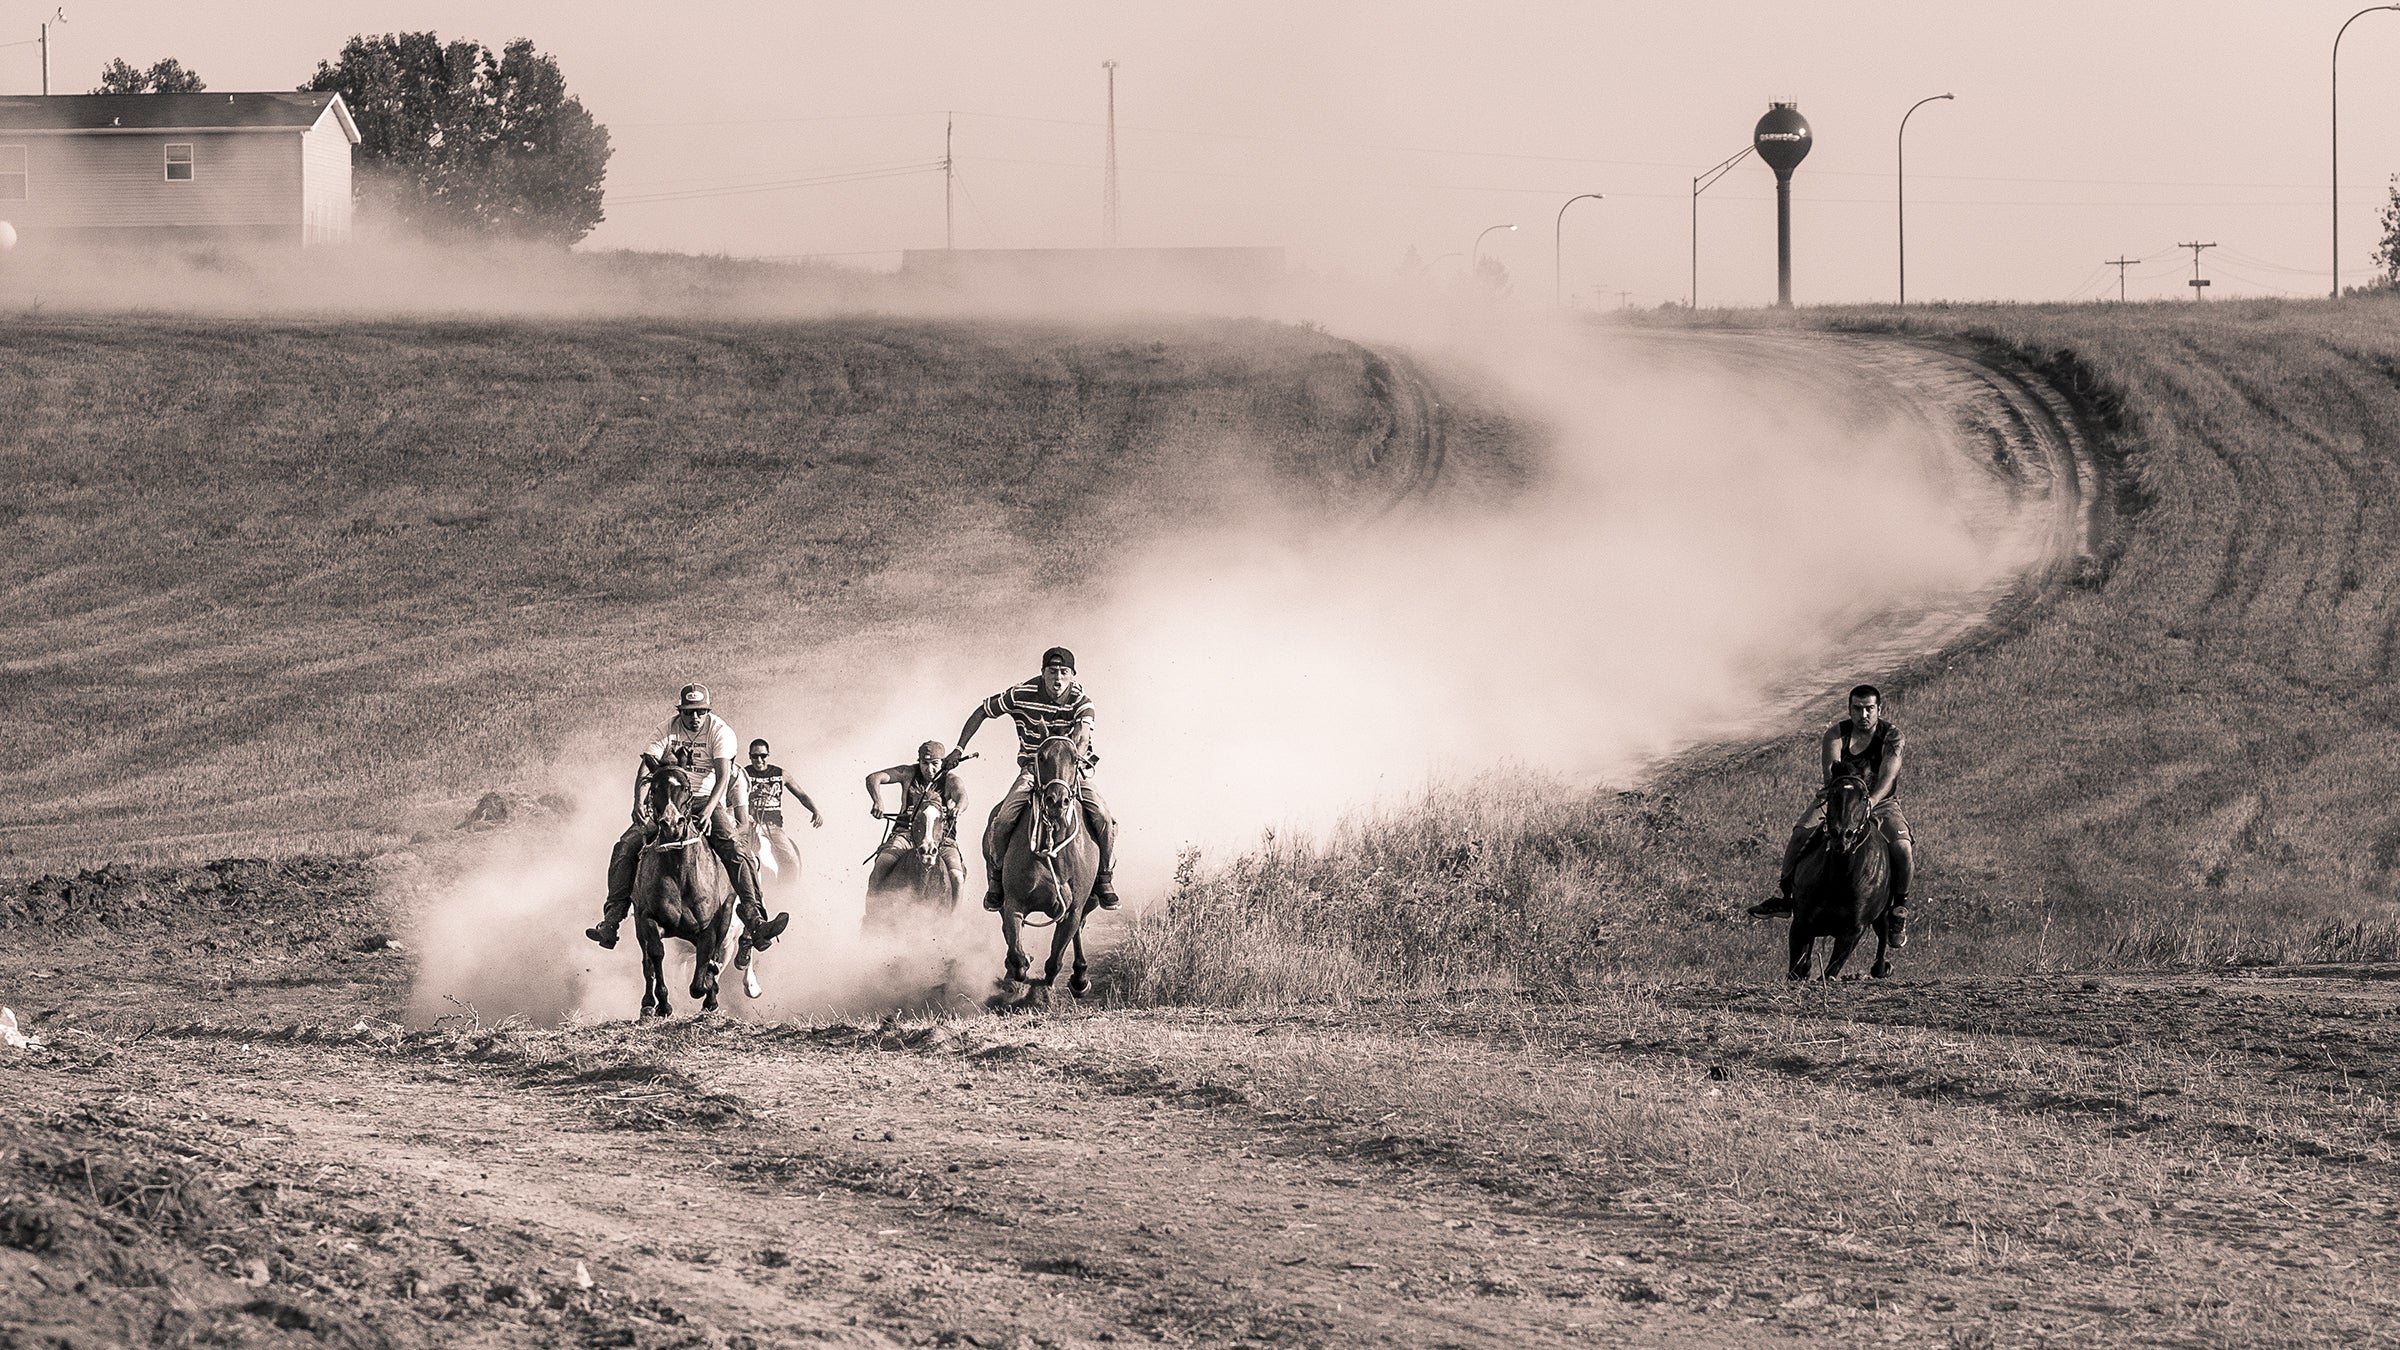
(167, 77)
(458, 141)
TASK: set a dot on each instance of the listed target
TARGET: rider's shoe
(763, 936)
(1896, 921)
(991, 901)
(603, 933)
(1767, 909)
(1105, 895)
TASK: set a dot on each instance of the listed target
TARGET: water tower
(1782, 140)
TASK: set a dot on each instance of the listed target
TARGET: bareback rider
(764, 785)
(928, 777)
(1869, 744)
(1050, 704)
(702, 745)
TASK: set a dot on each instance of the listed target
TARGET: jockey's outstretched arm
(882, 778)
(816, 818)
(1829, 752)
(975, 721)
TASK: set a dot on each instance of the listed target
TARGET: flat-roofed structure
(176, 168)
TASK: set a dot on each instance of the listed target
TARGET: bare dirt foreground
(2193, 1160)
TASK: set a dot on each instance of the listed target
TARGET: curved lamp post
(1699, 185)
(1475, 255)
(2336, 89)
(1902, 140)
(1557, 229)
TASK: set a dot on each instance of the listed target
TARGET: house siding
(325, 198)
(242, 182)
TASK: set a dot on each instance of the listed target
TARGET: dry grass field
(2180, 758)
(1503, 1069)
(282, 586)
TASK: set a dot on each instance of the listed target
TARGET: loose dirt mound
(292, 899)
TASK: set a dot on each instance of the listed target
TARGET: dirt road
(2178, 1160)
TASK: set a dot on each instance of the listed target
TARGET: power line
(741, 190)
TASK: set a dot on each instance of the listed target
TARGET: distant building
(176, 168)
(1166, 275)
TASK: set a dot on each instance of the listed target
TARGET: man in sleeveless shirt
(1871, 744)
(701, 744)
(1050, 704)
(927, 778)
(764, 785)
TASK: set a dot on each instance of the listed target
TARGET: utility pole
(2198, 281)
(1108, 191)
(2121, 264)
(57, 16)
(949, 124)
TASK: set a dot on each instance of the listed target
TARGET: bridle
(675, 830)
(1048, 840)
(1848, 839)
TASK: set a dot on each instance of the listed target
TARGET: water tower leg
(1783, 243)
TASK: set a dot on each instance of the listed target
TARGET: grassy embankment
(278, 586)
(2185, 761)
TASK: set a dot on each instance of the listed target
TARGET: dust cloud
(1715, 524)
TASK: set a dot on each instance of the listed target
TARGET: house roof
(170, 112)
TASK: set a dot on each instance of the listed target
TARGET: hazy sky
(1351, 132)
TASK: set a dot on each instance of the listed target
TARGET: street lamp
(1699, 185)
(2337, 140)
(1556, 276)
(1902, 139)
(1475, 255)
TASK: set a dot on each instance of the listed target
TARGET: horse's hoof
(1079, 986)
(709, 1004)
(1881, 970)
(750, 985)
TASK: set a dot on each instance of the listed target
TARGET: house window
(179, 163)
(15, 184)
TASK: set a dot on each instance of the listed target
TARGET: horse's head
(670, 798)
(1847, 813)
(1058, 779)
(925, 827)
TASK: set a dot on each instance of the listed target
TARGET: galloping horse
(1843, 885)
(1048, 869)
(926, 877)
(681, 891)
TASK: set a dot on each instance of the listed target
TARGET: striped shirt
(1038, 718)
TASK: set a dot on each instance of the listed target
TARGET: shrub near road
(2184, 757)
(277, 586)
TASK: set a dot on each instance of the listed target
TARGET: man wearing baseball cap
(701, 744)
(1050, 704)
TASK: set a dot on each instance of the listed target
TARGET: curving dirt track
(227, 1139)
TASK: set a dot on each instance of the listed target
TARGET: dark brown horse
(681, 891)
(1048, 870)
(1843, 885)
(918, 870)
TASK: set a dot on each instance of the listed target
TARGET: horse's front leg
(1843, 945)
(1882, 969)
(1804, 951)
(654, 978)
(708, 959)
(1081, 984)
(1012, 931)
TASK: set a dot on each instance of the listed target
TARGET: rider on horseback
(1870, 745)
(701, 744)
(766, 784)
(1050, 704)
(928, 777)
